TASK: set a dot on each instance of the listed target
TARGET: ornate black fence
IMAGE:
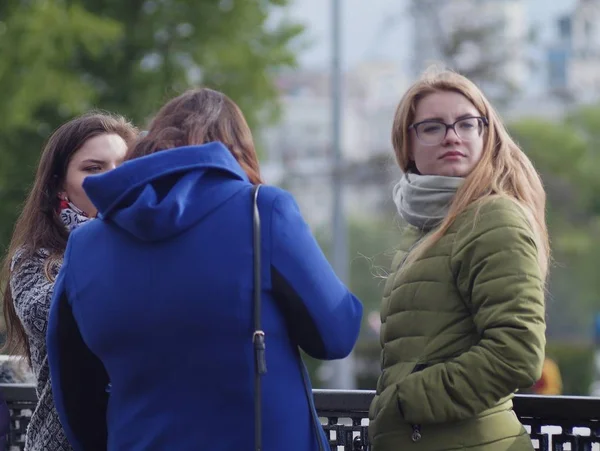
(21, 400)
(553, 421)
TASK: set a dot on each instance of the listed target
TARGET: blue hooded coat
(150, 329)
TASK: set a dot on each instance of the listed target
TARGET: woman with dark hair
(57, 204)
(160, 315)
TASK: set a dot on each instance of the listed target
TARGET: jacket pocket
(416, 428)
(418, 367)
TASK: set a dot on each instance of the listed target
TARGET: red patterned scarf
(72, 216)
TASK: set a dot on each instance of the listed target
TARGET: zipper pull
(416, 434)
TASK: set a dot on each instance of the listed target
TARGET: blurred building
(574, 58)
(298, 149)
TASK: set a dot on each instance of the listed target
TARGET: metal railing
(553, 421)
(21, 400)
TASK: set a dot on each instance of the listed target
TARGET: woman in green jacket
(463, 309)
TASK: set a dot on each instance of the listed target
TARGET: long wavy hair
(197, 117)
(39, 225)
(503, 170)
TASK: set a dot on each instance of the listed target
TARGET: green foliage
(170, 45)
(550, 145)
(371, 247)
(565, 153)
(576, 364)
(60, 58)
(39, 41)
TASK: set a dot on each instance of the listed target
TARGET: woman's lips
(452, 155)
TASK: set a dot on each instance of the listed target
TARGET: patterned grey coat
(32, 293)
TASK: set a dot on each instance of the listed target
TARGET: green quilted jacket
(462, 330)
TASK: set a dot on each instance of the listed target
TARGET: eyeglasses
(432, 132)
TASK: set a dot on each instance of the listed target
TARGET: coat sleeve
(31, 292)
(323, 316)
(79, 380)
(498, 276)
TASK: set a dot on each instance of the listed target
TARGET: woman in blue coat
(150, 334)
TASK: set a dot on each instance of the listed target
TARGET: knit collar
(424, 200)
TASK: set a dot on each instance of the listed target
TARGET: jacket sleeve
(79, 380)
(498, 276)
(31, 292)
(322, 315)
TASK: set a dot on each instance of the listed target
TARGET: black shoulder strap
(258, 338)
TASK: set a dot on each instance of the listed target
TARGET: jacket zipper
(416, 432)
(416, 428)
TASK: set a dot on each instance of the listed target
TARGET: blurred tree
(372, 244)
(61, 58)
(38, 43)
(483, 50)
(585, 121)
(170, 45)
(565, 153)
(576, 364)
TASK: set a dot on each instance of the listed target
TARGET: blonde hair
(503, 170)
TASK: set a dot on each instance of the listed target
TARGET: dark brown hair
(39, 225)
(197, 117)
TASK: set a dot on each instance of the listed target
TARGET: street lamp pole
(343, 370)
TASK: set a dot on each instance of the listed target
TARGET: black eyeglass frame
(452, 126)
